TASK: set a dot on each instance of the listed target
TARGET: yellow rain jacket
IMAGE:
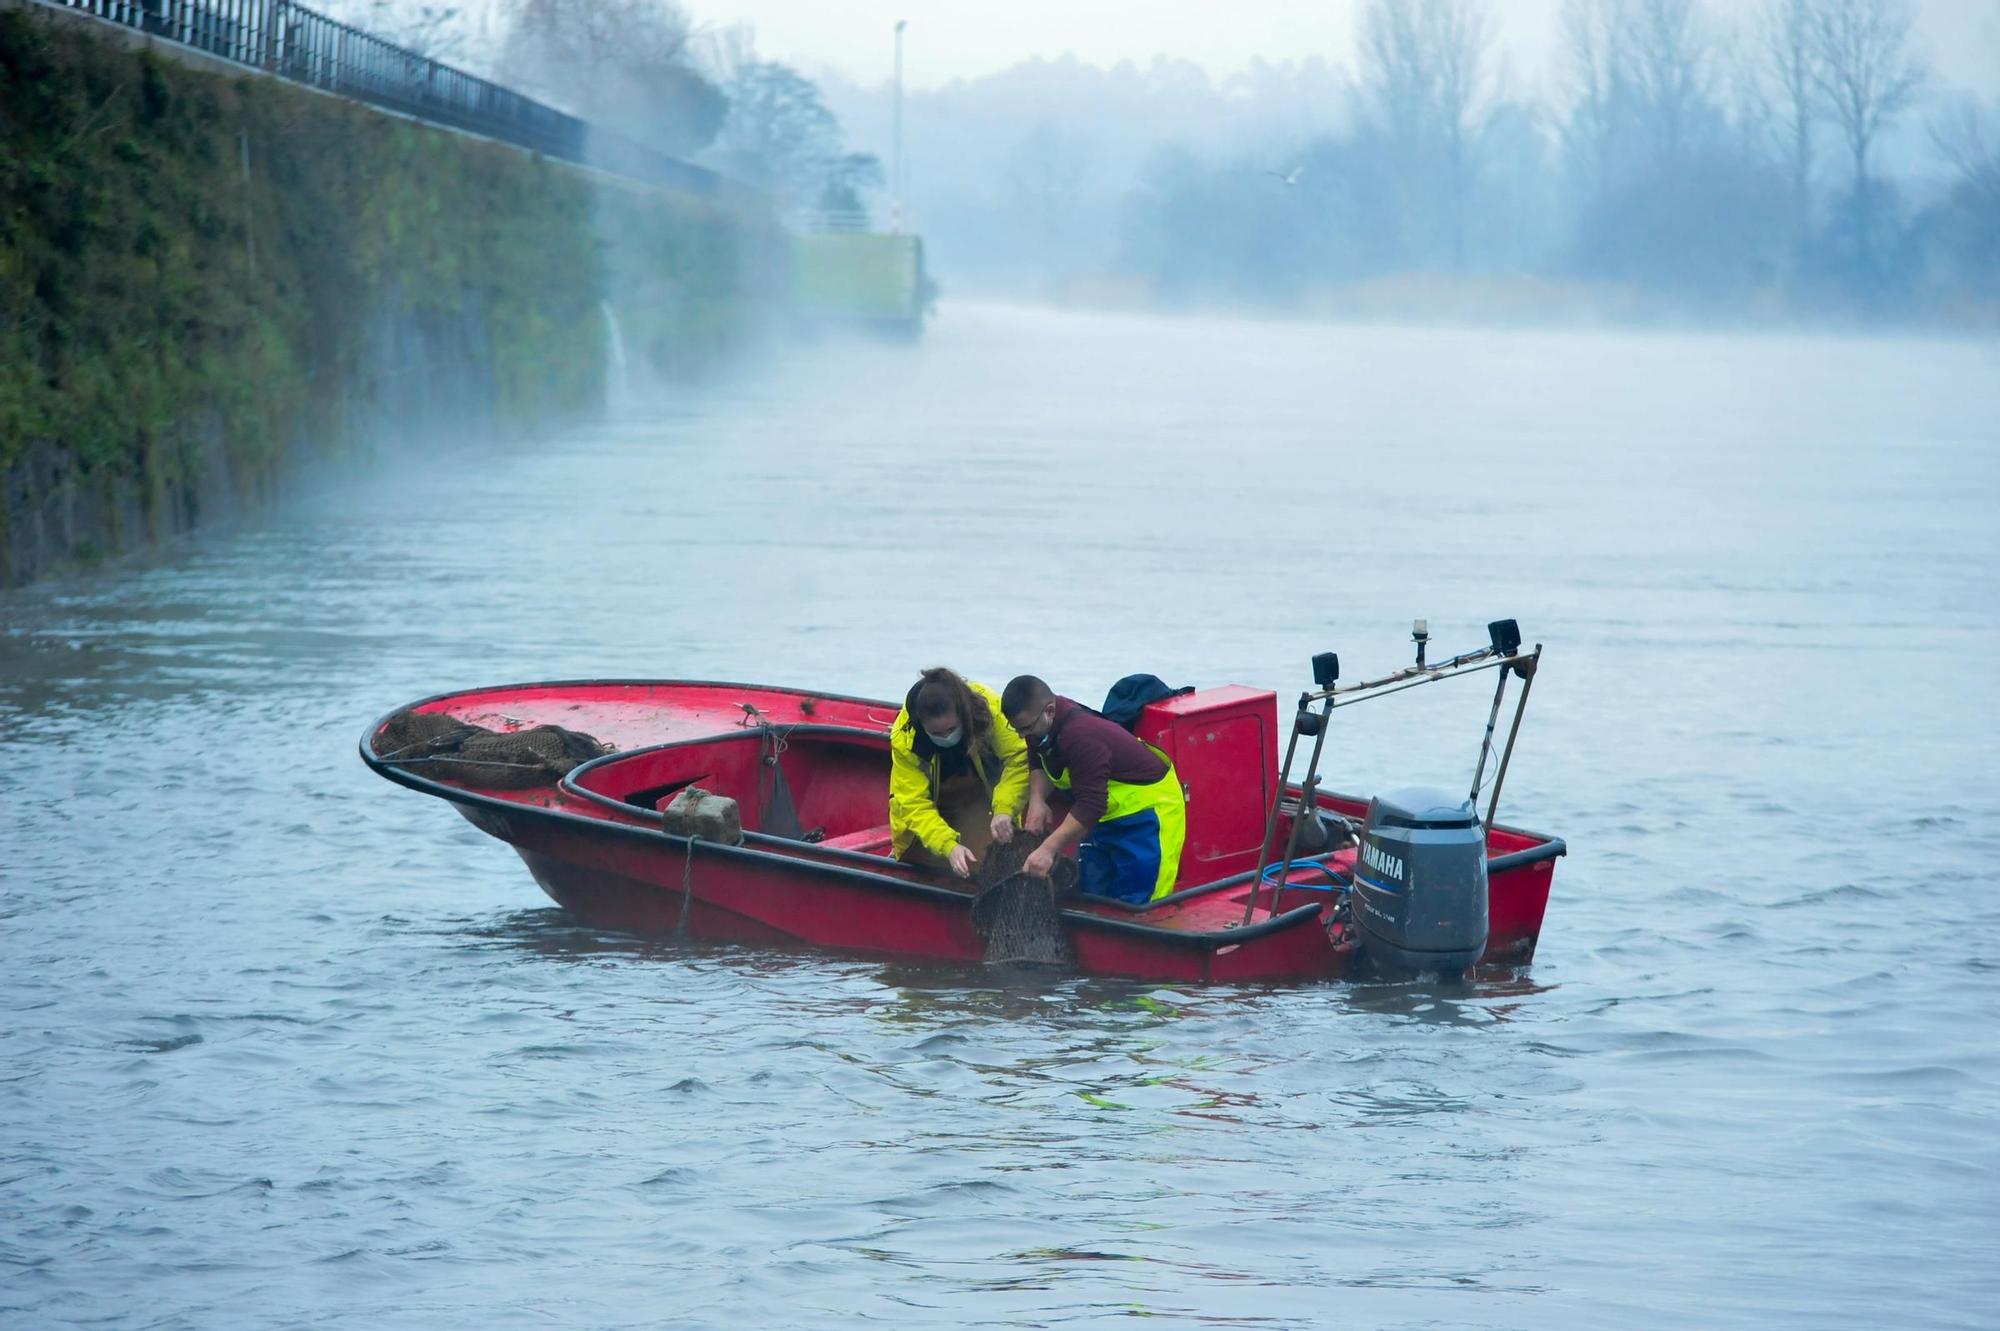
(913, 780)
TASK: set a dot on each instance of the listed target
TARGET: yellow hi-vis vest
(1164, 797)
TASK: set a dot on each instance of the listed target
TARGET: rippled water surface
(286, 1045)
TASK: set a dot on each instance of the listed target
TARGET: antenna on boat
(1326, 672)
(1526, 670)
(1505, 637)
(1495, 633)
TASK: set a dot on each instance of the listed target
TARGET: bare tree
(1044, 179)
(723, 53)
(1967, 136)
(1868, 75)
(1791, 71)
(1426, 72)
(1666, 56)
(779, 133)
(1591, 68)
(1964, 228)
(436, 31)
(1641, 75)
(626, 63)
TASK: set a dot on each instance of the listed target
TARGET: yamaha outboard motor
(1419, 897)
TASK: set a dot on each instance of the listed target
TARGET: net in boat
(444, 747)
(1017, 914)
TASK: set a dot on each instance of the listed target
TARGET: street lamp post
(896, 152)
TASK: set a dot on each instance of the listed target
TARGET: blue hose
(1335, 883)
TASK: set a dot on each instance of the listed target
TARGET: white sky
(950, 39)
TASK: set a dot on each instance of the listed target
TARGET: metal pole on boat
(1527, 669)
(1326, 672)
(1299, 723)
(1486, 744)
(1308, 807)
(1505, 637)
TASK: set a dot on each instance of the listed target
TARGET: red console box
(1224, 745)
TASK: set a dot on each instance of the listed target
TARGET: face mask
(948, 740)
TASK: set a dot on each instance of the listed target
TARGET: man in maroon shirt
(1127, 815)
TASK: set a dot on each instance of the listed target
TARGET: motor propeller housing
(1419, 899)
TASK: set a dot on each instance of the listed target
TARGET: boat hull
(608, 878)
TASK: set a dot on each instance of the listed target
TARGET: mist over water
(290, 1046)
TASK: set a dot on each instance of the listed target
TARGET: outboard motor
(1419, 898)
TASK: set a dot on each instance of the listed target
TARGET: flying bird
(1289, 179)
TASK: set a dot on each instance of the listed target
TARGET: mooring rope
(687, 888)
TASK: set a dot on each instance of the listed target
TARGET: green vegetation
(188, 257)
(692, 279)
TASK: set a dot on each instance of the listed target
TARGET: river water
(289, 1046)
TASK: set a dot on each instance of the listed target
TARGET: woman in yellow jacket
(958, 773)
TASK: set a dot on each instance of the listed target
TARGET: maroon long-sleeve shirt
(1094, 751)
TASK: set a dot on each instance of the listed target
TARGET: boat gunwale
(1550, 847)
(808, 849)
(632, 683)
(367, 740)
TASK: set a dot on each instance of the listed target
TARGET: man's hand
(1039, 818)
(1003, 828)
(963, 860)
(1041, 861)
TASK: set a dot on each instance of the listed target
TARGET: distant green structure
(862, 279)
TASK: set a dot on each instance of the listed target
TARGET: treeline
(1711, 159)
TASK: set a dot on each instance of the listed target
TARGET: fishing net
(1017, 914)
(444, 747)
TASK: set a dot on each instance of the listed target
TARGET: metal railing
(838, 220)
(305, 46)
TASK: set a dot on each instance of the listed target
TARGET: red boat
(809, 773)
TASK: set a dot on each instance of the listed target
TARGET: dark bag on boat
(1130, 695)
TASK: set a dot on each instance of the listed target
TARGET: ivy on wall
(184, 252)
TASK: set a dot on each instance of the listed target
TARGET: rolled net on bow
(444, 747)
